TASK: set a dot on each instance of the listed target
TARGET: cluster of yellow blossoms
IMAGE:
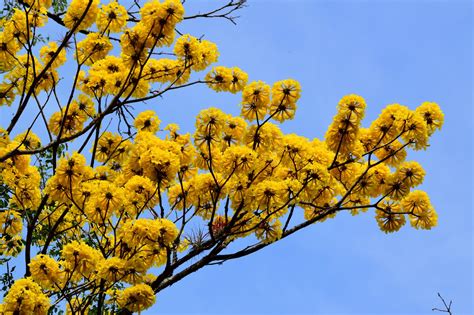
(112, 224)
(260, 170)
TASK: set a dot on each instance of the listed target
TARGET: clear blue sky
(386, 51)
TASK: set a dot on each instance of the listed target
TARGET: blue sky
(388, 52)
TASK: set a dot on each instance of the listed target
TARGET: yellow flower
(86, 106)
(8, 51)
(156, 233)
(393, 154)
(35, 17)
(167, 232)
(137, 298)
(180, 72)
(71, 170)
(25, 297)
(80, 257)
(411, 172)
(389, 217)
(45, 271)
(188, 48)
(28, 140)
(270, 194)
(238, 159)
(396, 188)
(347, 174)
(141, 194)
(109, 196)
(177, 195)
(112, 17)
(174, 11)
(17, 26)
(11, 246)
(161, 18)
(10, 222)
(269, 231)
(416, 131)
(239, 80)
(378, 175)
(263, 139)
(96, 212)
(112, 270)
(93, 48)
(137, 87)
(352, 104)
(255, 100)
(220, 79)
(158, 70)
(390, 123)
(208, 55)
(26, 196)
(422, 214)
(282, 112)
(67, 122)
(39, 3)
(210, 121)
(342, 134)
(432, 115)
(133, 43)
(78, 9)
(160, 165)
(75, 306)
(109, 64)
(147, 121)
(107, 146)
(47, 53)
(234, 130)
(285, 92)
(47, 81)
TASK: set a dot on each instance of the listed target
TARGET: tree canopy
(105, 207)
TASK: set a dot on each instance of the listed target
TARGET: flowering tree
(105, 216)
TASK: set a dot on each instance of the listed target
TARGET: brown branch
(158, 286)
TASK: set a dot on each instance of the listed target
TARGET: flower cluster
(258, 99)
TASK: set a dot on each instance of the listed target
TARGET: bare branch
(224, 12)
(447, 307)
